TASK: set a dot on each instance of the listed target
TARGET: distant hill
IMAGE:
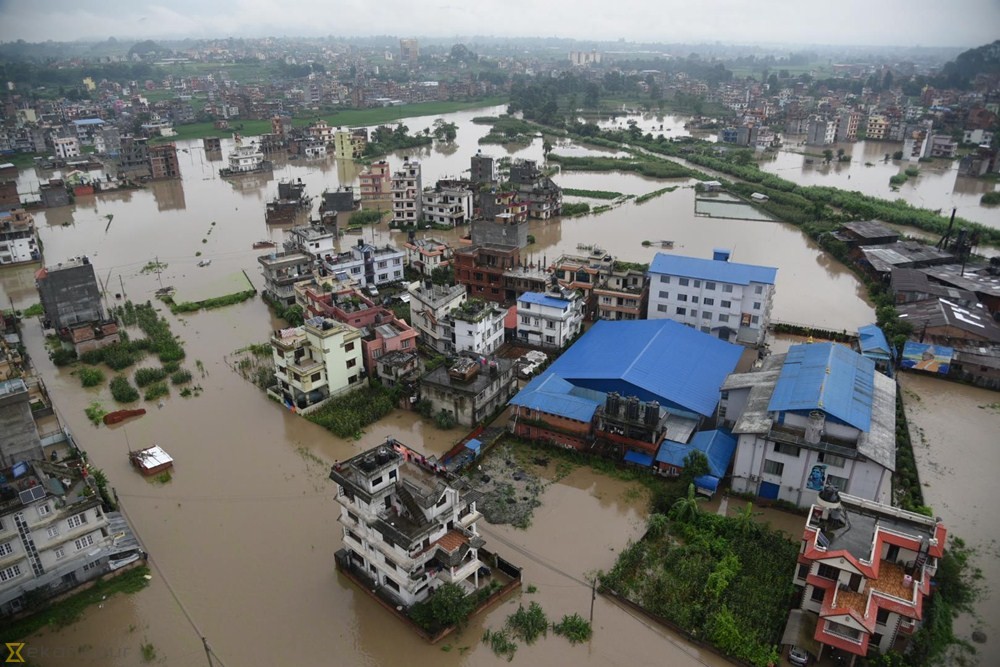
(964, 69)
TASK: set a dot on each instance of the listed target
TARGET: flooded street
(246, 531)
(954, 432)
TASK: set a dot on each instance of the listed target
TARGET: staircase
(405, 497)
(29, 544)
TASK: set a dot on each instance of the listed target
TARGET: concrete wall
(18, 434)
(488, 231)
(70, 296)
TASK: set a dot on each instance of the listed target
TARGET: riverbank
(346, 118)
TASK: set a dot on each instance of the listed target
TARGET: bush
(156, 391)
(122, 390)
(62, 356)
(528, 624)
(990, 199)
(575, 628)
(346, 415)
(172, 366)
(147, 376)
(90, 377)
(573, 210)
(95, 412)
(181, 376)
(444, 420)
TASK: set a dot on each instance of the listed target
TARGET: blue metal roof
(718, 446)
(638, 458)
(474, 444)
(544, 300)
(708, 482)
(827, 377)
(655, 360)
(551, 394)
(712, 269)
(873, 343)
(89, 121)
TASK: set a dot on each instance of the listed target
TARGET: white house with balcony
(406, 194)
(478, 326)
(406, 529)
(54, 534)
(864, 573)
(430, 313)
(315, 362)
(729, 300)
(819, 415)
(447, 204)
(549, 319)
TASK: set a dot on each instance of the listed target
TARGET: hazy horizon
(856, 23)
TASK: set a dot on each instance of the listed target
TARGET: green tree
(447, 606)
(827, 155)
(686, 509)
(546, 147)
(695, 465)
(745, 519)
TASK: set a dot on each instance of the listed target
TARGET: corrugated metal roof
(551, 394)
(827, 377)
(543, 300)
(712, 269)
(638, 458)
(659, 360)
(717, 445)
(872, 341)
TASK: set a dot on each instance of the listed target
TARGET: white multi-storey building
(430, 312)
(447, 205)
(406, 194)
(425, 255)
(54, 535)
(549, 319)
(66, 147)
(818, 415)
(478, 327)
(723, 298)
(18, 239)
(406, 530)
(318, 360)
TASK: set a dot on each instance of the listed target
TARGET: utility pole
(208, 651)
(122, 283)
(593, 596)
(157, 260)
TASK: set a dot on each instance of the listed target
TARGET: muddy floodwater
(955, 431)
(242, 539)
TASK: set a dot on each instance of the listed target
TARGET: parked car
(372, 290)
(798, 656)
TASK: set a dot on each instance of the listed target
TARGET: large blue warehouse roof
(827, 377)
(712, 269)
(655, 360)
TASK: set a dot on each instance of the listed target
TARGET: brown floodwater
(245, 532)
(955, 430)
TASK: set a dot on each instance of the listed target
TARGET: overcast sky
(963, 23)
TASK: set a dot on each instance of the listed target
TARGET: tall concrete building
(18, 434)
(409, 51)
(70, 294)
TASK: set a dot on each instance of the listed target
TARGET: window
(828, 571)
(832, 460)
(882, 616)
(549, 324)
(706, 330)
(758, 289)
(43, 509)
(315, 377)
(662, 308)
(349, 347)
(6, 548)
(60, 553)
(392, 584)
(790, 450)
(694, 299)
(773, 467)
(550, 339)
(83, 542)
(664, 295)
(694, 313)
(709, 285)
(351, 363)
(525, 319)
(844, 631)
(697, 283)
(682, 311)
(726, 304)
(706, 315)
(377, 481)
(52, 531)
(839, 482)
(756, 305)
(818, 593)
(755, 320)
(804, 570)
(708, 301)
(405, 344)
(683, 282)
(76, 521)
(722, 408)
(682, 297)
(727, 288)
(10, 573)
(665, 280)
(723, 317)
